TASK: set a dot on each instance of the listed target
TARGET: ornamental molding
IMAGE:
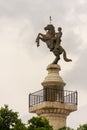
(53, 111)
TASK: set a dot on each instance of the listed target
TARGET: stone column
(51, 84)
(53, 106)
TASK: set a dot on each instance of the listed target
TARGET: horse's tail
(65, 56)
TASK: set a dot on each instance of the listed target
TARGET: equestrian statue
(53, 42)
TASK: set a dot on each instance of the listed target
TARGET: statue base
(53, 78)
(53, 102)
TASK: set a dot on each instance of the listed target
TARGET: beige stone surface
(53, 105)
(56, 120)
(53, 78)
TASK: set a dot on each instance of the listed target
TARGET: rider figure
(58, 36)
(56, 40)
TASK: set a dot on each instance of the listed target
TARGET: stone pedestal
(53, 78)
(54, 107)
(53, 82)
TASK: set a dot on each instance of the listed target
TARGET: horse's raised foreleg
(40, 37)
(37, 40)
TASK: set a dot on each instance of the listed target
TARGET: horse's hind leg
(56, 60)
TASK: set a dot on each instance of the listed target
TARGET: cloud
(78, 74)
(80, 117)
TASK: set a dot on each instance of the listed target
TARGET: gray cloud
(78, 75)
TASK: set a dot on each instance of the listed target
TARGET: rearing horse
(52, 43)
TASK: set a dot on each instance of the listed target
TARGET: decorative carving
(53, 111)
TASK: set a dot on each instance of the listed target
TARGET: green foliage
(82, 127)
(9, 120)
(19, 126)
(66, 128)
(38, 123)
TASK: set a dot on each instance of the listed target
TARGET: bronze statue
(53, 41)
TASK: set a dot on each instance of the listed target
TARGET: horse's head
(49, 27)
(51, 30)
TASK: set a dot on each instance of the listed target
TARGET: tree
(19, 126)
(82, 127)
(66, 128)
(9, 120)
(39, 123)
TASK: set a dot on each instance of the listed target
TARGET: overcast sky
(23, 65)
